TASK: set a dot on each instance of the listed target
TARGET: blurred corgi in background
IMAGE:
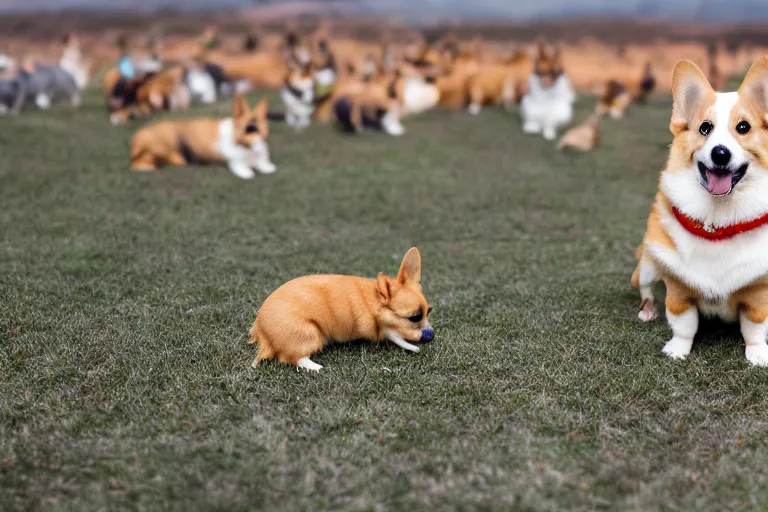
(238, 141)
(548, 103)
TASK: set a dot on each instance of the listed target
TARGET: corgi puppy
(298, 94)
(238, 141)
(548, 103)
(298, 318)
(584, 136)
(707, 232)
(646, 86)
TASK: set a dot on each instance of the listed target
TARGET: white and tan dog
(707, 233)
(239, 141)
(548, 103)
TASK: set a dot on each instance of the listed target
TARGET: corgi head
(548, 65)
(721, 139)
(405, 310)
(251, 127)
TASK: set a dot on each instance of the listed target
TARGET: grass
(125, 300)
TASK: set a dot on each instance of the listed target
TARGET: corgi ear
(690, 88)
(410, 268)
(384, 285)
(240, 107)
(755, 86)
(261, 109)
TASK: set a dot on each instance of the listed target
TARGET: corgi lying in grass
(707, 233)
(298, 318)
(238, 141)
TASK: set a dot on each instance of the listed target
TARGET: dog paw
(757, 354)
(309, 365)
(531, 127)
(549, 134)
(678, 348)
(648, 311)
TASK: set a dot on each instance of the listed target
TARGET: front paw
(549, 133)
(678, 348)
(757, 354)
(266, 167)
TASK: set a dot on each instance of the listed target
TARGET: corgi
(166, 90)
(548, 103)
(298, 94)
(369, 109)
(583, 136)
(239, 141)
(615, 100)
(298, 318)
(707, 232)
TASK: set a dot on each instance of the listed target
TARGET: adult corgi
(707, 233)
(238, 141)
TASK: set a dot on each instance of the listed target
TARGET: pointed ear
(240, 107)
(384, 285)
(690, 88)
(261, 108)
(755, 86)
(410, 268)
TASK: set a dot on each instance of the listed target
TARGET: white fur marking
(684, 327)
(755, 338)
(400, 342)
(546, 109)
(309, 365)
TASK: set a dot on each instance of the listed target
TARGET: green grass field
(125, 301)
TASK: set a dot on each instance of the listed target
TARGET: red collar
(716, 234)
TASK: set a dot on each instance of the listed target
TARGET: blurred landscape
(426, 9)
(635, 21)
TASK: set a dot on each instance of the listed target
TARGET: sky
(717, 10)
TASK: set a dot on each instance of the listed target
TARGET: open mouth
(719, 181)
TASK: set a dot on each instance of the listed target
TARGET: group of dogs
(707, 231)
(375, 93)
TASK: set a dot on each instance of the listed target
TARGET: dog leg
(683, 318)
(531, 127)
(684, 327)
(755, 335)
(475, 109)
(400, 342)
(43, 101)
(76, 100)
(646, 278)
(241, 170)
(549, 133)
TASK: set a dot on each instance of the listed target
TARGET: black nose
(721, 156)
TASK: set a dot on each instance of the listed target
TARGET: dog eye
(705, 128)
(417, 317)
(252, 128)
(743, 128)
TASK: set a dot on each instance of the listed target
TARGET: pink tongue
(718, 184)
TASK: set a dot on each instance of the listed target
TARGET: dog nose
(427, 335)
(721, 156)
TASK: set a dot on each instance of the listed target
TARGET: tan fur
(501, 83)
(298, 318)
(584, 136)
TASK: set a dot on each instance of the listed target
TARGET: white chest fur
(716, 269)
